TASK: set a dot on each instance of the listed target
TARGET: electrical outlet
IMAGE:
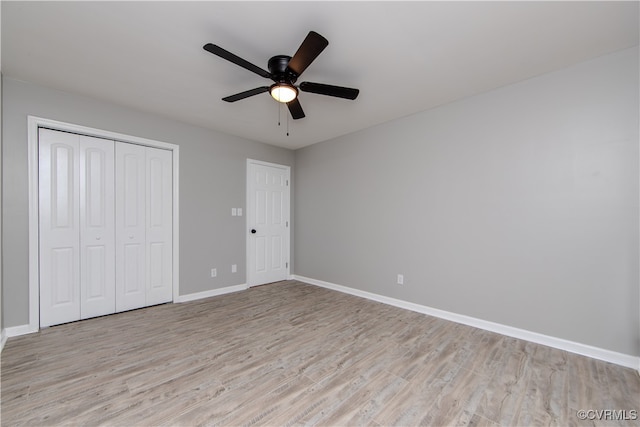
(234, 212)
(234, 268)
(400, 279)
(214, 272)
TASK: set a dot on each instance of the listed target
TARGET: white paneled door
(76, 190)
(59, 227)
(159, 220)
(268, 222)
(97, 239)
(131, 286)
(105, 218)
(143, 226)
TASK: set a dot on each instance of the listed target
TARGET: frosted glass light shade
(283, 92)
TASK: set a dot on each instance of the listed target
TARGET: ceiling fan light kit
(284, 71)
(283, 92)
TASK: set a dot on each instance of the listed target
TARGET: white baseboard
(621, 359)
(211, 293)
(15, 331)
(3, 339)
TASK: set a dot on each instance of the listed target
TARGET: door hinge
(287, 183)
(286, 265)
(286, 223)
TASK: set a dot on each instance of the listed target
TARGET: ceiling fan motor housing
(278, 69)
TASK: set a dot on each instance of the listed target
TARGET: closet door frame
(34, 123)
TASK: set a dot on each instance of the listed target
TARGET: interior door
(97, 238)
(130, 255)
(58, 194)
(268, 222)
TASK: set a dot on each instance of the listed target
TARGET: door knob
(98, 238)
(253, 231)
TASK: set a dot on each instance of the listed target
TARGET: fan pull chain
(280, 106)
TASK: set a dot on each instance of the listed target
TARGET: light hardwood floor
(295, 354)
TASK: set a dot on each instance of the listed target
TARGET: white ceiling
(405, 57)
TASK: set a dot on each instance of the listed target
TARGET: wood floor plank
(362, 407)
(263, 409)
(505, 395)
(295, 354)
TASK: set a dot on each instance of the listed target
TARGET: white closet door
(130, 226)
(106, 226)
(159, 226)
(97, 228)
(59, 227)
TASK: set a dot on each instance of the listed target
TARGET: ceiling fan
(284, 71)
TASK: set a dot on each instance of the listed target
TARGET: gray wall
(212, 181)
(1, 316)
(517, 206)
(1, 234)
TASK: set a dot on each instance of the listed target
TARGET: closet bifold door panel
(159, 245)
(59, 227)
(76, 227)
(143, 226)
(130, 227)
(97, 228)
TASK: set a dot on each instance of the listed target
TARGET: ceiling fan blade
(329, 90)
(295, 109)
(225, 54)
(246, 94)
(309, 50)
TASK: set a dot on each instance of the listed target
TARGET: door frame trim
(34, 123)
(246, 230)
